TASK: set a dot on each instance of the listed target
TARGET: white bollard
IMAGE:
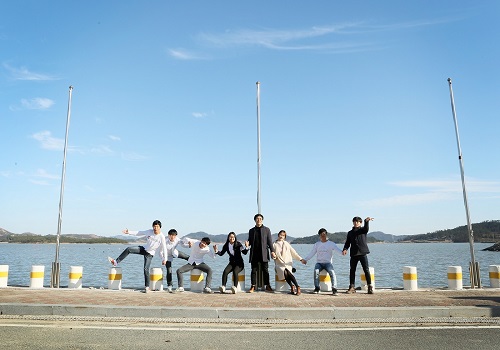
(410, 281)
(115, 278)
(197, 280)
(455, 277)
(36, 276)
(494, 276)
(75, 277)
(241, 281)
(4, 275)
(325, 282)
(364, 285)
(280, 285)
(155, 278)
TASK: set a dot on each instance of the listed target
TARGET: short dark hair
(357, 219)
(321, 230)
(283, 232)
(157, 222)
(206, 240)
(172, 231)
(257, 215)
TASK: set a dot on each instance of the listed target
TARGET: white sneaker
(207, 290)
(222, 289)
(169, 289)
(147, 290)
(112, 261)
(180, 290)
(234, 290)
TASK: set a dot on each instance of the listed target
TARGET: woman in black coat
(234, 249)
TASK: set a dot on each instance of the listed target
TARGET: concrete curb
(300, 314)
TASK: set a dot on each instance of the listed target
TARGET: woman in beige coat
(283, 262)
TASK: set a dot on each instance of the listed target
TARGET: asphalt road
(35, 334)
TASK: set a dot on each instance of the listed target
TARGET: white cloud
(24, 74)
(199, 114)
(102, 150)
(48, 142)
(134, 157)
(45, 175)
(37, 103)
(114, 138)
(183, 54)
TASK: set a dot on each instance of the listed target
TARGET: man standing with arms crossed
(261, 242)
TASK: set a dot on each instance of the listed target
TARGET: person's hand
(303, 261)
(273, 255)
(247, 244)
(215, 248)
(164, 262)
(369, 219)
(190, 244)
(344, 252)
(125, 231)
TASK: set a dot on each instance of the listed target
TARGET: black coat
(236, 259)
(356, 239)
(266, 242)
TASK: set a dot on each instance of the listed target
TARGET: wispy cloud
(183, 54)
(344, 37)
(199, 114)
(42, 173)
(102, 150)
(37, 103)
(114, 138)
(134, 157)
(434, 191)
(24, 73)
(48, 142)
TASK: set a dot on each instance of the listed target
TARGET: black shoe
(316, 291)
(370, 289)
(334, 291)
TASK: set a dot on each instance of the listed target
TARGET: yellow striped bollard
(156, 279)
(362, 276)
(455, 277)
(75, 277)
(410, 281)
(280, 285)
(325, 282)
(36, 276)
(4, 275)
(494, 276)
(197, 280)
(115, 278)
(241, 281)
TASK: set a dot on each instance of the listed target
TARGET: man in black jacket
(356, 240)
(260, 240)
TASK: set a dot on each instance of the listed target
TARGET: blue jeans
(147, 259)
(329, 268)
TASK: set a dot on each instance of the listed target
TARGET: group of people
(261, 250)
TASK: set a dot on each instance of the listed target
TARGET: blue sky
(354, 103)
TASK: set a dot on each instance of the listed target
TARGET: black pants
(235, 269)
(363, 259)
(265, 272)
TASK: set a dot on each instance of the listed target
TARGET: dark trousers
(168, 266)
(265, 272)
(363, 259)
(188, 267)
(147, 260)
(235, 269)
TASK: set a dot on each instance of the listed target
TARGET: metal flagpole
(56, 266)
(258, 149)
(475, 279)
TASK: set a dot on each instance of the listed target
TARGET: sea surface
(387, 259)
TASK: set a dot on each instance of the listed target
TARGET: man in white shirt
(155, 241)
(324, 250)
(198, 250)
(172, 252)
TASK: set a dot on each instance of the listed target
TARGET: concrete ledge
(328, 313)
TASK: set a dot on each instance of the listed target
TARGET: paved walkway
(385, 303)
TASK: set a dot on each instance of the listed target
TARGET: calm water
(431, 260)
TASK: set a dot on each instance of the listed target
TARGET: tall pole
(258, 149)
(56, 267)
(474, 268)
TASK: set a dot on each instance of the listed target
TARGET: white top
(197, 253)
(153, 243)
(324, 251)
(171, 251)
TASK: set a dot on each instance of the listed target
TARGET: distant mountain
(337, 237)
(486, 231)
(385, 237)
